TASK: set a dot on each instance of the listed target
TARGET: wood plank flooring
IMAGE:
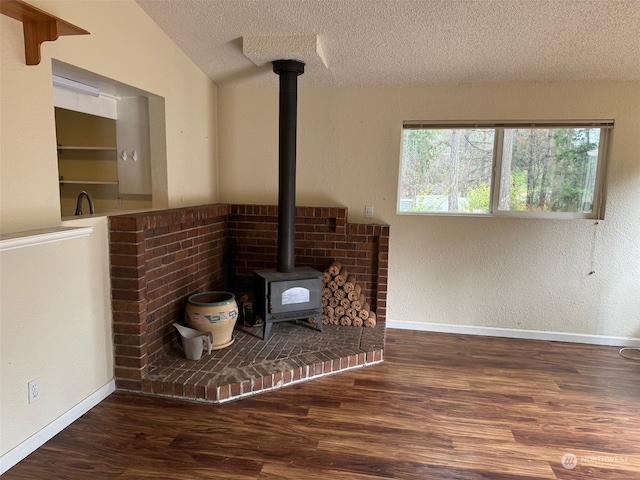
(441, 407)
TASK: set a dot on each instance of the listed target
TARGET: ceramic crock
(214, 312)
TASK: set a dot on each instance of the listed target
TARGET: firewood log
(325, 319)
(351, 313)
(326, 277)
(340, 294)
(313, 321)
(357, 322)
(334, 302)
(371, 321)
(350, 284)
(357, 304)
(340, 311)
(334, 268)
(334, 320)
(364, 314)
(327, 293)
(341, 278)
(333, 286)
(355, 293)
(328, 311)
(325, 302)
(345, 302)
(345, 321)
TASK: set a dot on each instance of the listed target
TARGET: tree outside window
(501, 170)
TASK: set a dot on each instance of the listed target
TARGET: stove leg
(266, 329)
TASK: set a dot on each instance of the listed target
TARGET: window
(540, 170)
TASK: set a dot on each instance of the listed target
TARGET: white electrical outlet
(34, 390)
(368, 211)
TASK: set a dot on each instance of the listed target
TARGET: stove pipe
(288, 70)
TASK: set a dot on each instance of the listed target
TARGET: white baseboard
(515, 333)
(38, 439)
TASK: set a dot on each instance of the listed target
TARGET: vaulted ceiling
(369, 42)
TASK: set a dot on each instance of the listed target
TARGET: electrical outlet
(34, 390)
(368, 211)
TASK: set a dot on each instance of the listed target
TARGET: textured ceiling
(369, 42)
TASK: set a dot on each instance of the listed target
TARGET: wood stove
(280, 297)
(287, 293)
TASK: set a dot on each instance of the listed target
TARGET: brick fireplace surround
(160, 258)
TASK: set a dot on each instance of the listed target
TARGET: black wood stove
(280, 297)
(288, 293)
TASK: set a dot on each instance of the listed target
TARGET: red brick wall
(322, 236)
(159, 259)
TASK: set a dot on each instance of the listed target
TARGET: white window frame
(599, 194)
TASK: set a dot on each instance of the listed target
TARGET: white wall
(55, 302)
(490, 272)
(56, 326)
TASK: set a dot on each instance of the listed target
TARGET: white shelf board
(108, 149)
(87, 182)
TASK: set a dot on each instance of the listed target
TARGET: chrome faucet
(84, 193)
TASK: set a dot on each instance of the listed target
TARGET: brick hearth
(293, 353)
(159, 259)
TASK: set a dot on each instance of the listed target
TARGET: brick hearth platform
(160, 258)
(294, 353)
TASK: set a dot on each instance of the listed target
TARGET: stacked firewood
(343, 301)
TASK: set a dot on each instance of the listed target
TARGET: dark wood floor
(440, 407)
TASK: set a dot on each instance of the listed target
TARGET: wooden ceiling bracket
(38, 25)
(34, 34)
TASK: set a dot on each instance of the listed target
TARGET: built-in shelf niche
(106, 146)
(72, 148)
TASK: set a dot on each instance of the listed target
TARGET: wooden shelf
(38, 25)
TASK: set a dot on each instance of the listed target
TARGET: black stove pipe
(288, 70)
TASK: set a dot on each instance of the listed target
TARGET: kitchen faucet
(84, 193)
